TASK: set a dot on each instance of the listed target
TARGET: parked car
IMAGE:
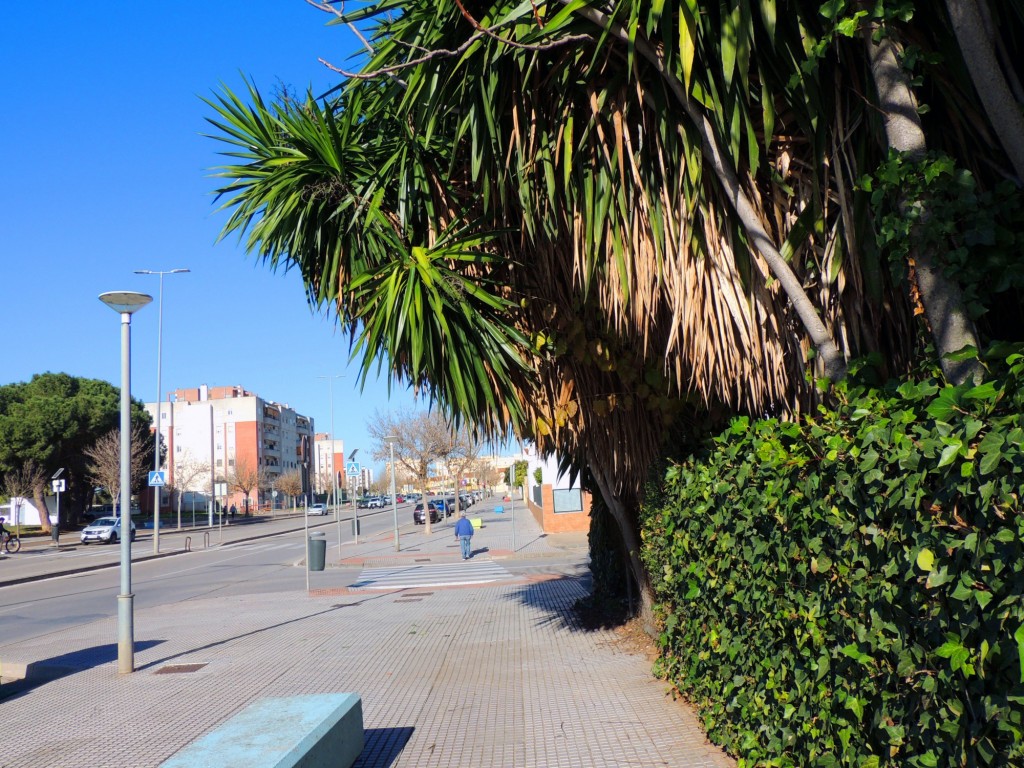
(362, 503)
(105, 529)
(419, 518)
(376, 502)
(319, 508)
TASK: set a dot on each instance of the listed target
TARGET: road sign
(58, 486)
(157, 480)
(352, 468)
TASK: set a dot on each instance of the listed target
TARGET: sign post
(58, 486)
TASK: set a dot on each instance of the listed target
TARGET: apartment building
(330, 457)
(228, 432)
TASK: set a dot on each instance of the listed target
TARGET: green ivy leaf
(926, 560)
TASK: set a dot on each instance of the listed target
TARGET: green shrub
(846, 590)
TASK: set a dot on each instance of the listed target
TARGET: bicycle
(11, 542)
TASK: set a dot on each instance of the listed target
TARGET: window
(219, 463)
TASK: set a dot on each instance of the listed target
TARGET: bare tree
(105, 462)
(462, 454)
(21, 482)
(186, 472)
(420, 440)
(246, 478)
(291, 484)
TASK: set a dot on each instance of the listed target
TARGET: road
(271, 563)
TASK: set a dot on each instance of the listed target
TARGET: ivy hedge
(847, 589)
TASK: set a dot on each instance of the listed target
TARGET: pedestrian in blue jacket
(463, 533)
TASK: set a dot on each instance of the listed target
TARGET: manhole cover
(173, 669)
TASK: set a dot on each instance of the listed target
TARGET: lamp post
(390, 440)
(125, 303)
(159, 404)
(334, 472)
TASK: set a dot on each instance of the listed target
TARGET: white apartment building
(230, 431)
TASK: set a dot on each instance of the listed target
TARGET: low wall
(576, 521)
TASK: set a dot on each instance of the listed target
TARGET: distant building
(330, 457)
(228, 430)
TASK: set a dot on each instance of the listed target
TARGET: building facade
(330, 457)
(228, 435)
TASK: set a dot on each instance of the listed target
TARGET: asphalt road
(272, 562)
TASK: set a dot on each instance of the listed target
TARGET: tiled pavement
(482, 676)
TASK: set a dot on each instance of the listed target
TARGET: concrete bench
(477, 522)
(294, 732)
(499, 510)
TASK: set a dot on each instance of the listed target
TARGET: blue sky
(106, 172)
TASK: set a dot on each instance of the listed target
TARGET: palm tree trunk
(952, 329)
(631, 542)
(980, 57)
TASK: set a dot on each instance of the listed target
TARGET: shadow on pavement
(557, 596)
(381, 746)
(40, 672)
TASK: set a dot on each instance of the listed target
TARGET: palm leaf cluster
(521, 207)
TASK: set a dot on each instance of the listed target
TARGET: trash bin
(357, 527)
(317, 551)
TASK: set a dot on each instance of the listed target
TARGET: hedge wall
(846, 590)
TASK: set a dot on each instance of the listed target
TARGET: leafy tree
(52, 420)
(604, 225)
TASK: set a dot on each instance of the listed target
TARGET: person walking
(463, 534)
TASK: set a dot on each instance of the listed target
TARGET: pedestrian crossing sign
(157, 480)
(352, 468)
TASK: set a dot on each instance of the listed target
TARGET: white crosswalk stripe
(433, 575)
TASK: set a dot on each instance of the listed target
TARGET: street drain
(408, 600)
(173, 669)
(422, 560)
(419, 594)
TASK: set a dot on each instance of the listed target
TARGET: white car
(317, 509)
(376, 502)
(106, 529)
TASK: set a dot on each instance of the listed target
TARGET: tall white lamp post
(125, 303)
(390, 440)
(159, 404)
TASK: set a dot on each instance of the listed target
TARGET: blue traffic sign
(352, 468)
(157, 479)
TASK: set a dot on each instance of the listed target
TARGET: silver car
(106, 529)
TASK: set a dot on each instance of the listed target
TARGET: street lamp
(334, 472)
(159, 405)
(125, 303)
(390, 440)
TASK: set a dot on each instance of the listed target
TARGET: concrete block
(477, 522)
(314, 731)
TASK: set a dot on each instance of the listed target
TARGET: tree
(290, 483)
(105, 462)
(420, 440)
(51, 420)
(245, 477)
(462, 454)
(187, 470)
(20, 483)
(601, 226)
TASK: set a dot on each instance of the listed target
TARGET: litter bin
(357, 527)
(317, 551)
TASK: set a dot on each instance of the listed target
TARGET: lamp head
(125, 302)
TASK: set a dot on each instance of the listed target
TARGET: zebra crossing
(413, 575)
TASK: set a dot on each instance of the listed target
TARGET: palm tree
(586, 223)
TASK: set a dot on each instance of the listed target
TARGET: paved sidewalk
(486, 676)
